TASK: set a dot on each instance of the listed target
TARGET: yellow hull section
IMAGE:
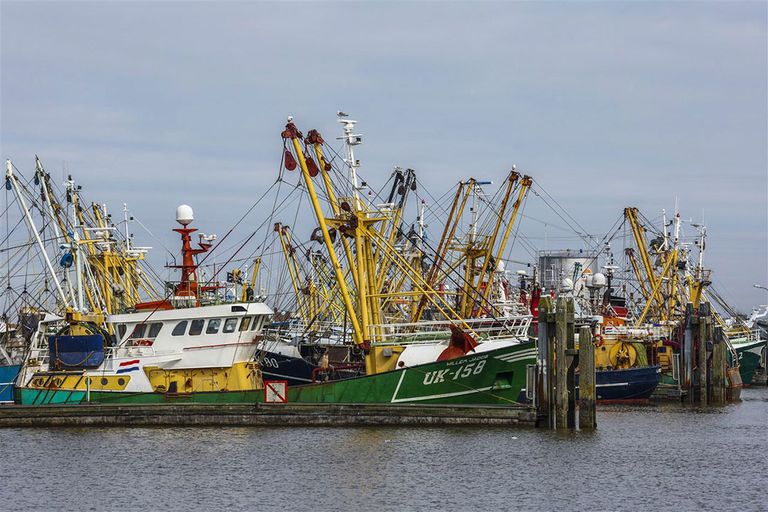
(245, 376)
(79, 382)
(383, 359)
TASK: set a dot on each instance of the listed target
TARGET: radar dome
(567, 284)
(184, 214)
(598, 280)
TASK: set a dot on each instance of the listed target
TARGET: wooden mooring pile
(705, 377)
(558, 362)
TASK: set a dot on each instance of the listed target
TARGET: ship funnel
(184, 215)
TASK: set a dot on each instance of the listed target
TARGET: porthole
(120, 381)
(104, 381)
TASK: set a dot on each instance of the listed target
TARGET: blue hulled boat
(627, 385)
(8, 374)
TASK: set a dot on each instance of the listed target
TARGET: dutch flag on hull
(128, 366)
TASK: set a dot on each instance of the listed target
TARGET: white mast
(473, 209)
(127, 236)
(75, 244)
(701, 243)
(422, 207)
(351, 139)
(41, 174)
(475, 191)
(677, 227)
(58, 234)
(14, 181)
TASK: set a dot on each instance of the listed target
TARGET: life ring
(598, 340)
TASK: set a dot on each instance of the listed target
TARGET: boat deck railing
(406, 332)
(39, 354)
(429, 331)
(297, 327)
(745, 336)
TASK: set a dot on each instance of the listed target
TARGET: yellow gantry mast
(292, 134)
(378, 267)
(289, 253)
(525, 185)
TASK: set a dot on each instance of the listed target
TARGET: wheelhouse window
(229, 325)
(154, 329)
(121, 331)
(257, 321)
(180, 328)
(244, 323)
(213, 326)
(138, 331)
(196, 327)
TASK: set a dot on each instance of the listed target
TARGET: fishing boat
(489, 375)
(626, 385)
(750, 354)
(483, 294)
(176, 349)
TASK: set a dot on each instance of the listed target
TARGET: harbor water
(654, 457)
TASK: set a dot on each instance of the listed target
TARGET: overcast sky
(605, 104)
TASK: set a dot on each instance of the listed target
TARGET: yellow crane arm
(639, 234)
(487, 256)
(525, 185)
(656, 292)
(292, 133)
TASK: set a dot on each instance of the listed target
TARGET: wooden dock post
(686, 366)
(561, 366)
(551, 363)
(545, 385)
(556, 397)
(565, 364)
(718, 367)
(571, 355)
(587, 380)
(702, 360)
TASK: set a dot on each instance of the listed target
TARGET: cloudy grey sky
(605, 104)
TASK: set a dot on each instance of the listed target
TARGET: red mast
(187, 286)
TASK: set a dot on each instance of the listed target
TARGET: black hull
(298, 371)
(632, 384)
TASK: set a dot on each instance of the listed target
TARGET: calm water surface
(640, 458)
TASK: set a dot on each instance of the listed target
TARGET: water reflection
(659, 456)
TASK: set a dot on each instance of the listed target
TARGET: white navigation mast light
(351, 139)
(184, 215)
